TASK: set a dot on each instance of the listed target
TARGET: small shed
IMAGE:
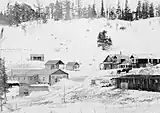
(54, 64)
(73, 66)
(57, 75)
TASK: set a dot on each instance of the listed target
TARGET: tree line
(66, 10)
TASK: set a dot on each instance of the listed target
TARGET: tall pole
(1, 105)
(64, 94)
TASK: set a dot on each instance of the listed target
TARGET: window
(18, 78)
(24, 78)
(43, 78)
(37, 57)
(30, 78)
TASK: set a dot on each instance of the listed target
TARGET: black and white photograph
(79, 56)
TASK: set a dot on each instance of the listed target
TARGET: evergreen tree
(3, 77)
(126, 11)
(51, 5)
(118, 11)
(102, 9)
(79, 8)
(112, 13)
(73, 11)
(67, 8)
(158, 11)
(90, 15)
(84, 12)
(145, 10)
(151, 10)
(58, 13)
(47, 11)
(94, 14)
(123, 15)
(139, 10)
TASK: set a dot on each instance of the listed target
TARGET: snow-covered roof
(53, 62)
(32, 72)
(72, 63)
(12, 81)
(145, 55)
(39, 85)
(127, 62)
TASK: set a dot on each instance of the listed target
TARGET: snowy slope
(76, 40)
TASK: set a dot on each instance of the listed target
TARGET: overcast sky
(132, 3)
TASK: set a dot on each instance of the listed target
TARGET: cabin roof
(32, 72)
(72, 63)
(51, 62)
(145, 56)
(138, 76)
(127, 62)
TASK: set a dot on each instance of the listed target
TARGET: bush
(104, 41)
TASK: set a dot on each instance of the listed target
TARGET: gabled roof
(58, 71)
(120, 56)
(50, 62)
(117, 56)
(32, 72)
(72, 63)
(127, 62)
(22, 72)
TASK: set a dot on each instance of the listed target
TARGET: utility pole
(64, 94)
(1, 104)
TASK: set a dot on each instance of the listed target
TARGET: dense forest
(66, 10)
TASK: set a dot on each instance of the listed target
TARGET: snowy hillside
(76, 40)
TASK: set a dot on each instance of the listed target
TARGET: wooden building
(57, 75)
(73, 66)
(33, 76)
(142, 60)
(54, 64)
(28, 76)
(139, 82)
(112, 61)
(37, 57)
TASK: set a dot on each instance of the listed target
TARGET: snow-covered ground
(76, 41)
(79, 98)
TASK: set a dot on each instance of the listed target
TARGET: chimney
(120, 52)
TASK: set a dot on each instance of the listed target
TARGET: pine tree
(79, 8)
(118, 11)
(123, 15)
(158, 10)
(61, 10)
(84, 12)
(58, 11)
(94, 11)
(51, 5)
(102, 9)
(151, 10)
(112, 13)
(139, 10)
(73, 11)
(126, 10)
(145, 10)
(47, 11)
(3, 77)
(90, 15)
(67, 8)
